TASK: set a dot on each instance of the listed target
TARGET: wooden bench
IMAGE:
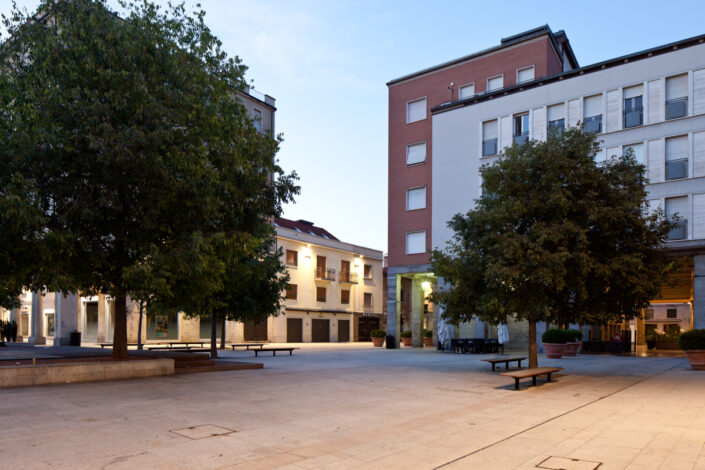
(110, 345)
(170, 348)
(506, 360)
(274, 350)
(185, 343)
(533, 373)
(247, 345)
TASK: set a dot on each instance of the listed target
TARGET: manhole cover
(563, 463)
(202, 431)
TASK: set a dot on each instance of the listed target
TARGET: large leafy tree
(555, 237)
(126, 153)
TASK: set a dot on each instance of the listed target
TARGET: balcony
(676, 108)
(325, 274)
(556, 127)
(348, 277)
(489, 147)
(677, 169)
(633, 117)
(522, 138)
(593, 124)
(680, 231)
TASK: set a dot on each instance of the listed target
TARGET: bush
(574, 335)
(378, 334)
(690, 340)
(406, 334)
(555, 336)
(427, 334)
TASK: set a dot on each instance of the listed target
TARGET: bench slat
(522, 374)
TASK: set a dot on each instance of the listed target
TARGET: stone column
(37, 320)
(66, 314)
(101, 336)
(641, 333)
(16, 314)
(393, 293)
(699, 291)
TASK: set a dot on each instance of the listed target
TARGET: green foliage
(574, 335)
(406, 334)
(554, 237)
(692, 340)
(427, 334)
(128, 165)
(556, 336)
(378, 334)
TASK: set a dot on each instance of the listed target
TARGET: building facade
(518, 59)
(651, 102)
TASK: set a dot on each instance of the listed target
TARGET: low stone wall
(42, 374)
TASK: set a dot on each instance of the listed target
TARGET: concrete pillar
(16, 314)
(699, 291)
(37, 319)
(102, 320)
(417, 301)
(393, 307)
(641, 333)
(66, 314)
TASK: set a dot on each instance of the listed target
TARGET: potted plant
(554, 342)
(427, 338)
(693, 343)
(651, 339)
(574, 338)
(377, 338)
(406, 338)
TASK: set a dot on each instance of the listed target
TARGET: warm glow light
(425, 285)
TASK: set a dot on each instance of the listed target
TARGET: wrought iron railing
(489, 147)
(676, 169)
(325, 274)
(677, 107)
(346, 276)
(522, 138)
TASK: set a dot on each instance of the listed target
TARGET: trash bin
(391, 342)
(75, 338)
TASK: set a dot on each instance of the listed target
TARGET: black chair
(454, 345)
(478, 345)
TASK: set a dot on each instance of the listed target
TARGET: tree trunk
(214, 337)
(222, 333)
(139, 327)
(120, 333)
(533, 358)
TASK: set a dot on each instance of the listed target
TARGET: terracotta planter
(571, 349)
(377, 342)
(428, 341)
(696, 358)
(554, 350)
(406, 341)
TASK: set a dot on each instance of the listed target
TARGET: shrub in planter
(377, 338)
(693, 343)
(554, 342)
(427, 338)
(573, 344)
(406, 338)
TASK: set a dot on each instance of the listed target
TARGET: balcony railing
(348, 277)
(680, 231)
(325, 274)
(677, 107)
(556, 127)
(633, 117)
(593, 124)
(489, 147)
(522, 138)
(676, 169)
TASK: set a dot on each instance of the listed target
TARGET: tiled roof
(304, 226)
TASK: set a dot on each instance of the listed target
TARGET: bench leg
(519, 363)
(533, 380)
(493, 369)
(255, 353)
(274, 353)
(291, 353)
(549, 377)
(516, 383)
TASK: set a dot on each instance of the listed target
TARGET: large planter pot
(554, 350)
(406, 341)
(571, 348)
(428, 341)
(651, 343)
(696, 358)
(377, 342)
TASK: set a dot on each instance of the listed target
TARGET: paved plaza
(352, 406)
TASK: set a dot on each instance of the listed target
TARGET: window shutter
(655, 155)
(633, 91)
(489, 130)
(525, 75)
(555, 112)
(657, 105)
(677, 205)
(592, 106)
(677, 87)
(466, 91)
(415, 153)
(676, 148)
(699, 91)
(416, 110)
(416, 198)
(495, 83)
(699, 154)
(415, 242)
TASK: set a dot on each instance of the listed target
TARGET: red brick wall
(434, 87)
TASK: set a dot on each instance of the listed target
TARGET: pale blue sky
(327, 62)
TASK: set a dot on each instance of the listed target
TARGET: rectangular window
(525, 75)
(367, 302)
(466, 91)
(521, 128)
(292, 258)
(671, 313)
(344, 296)
(368, 271)
(416, 153)
(50, 324)
(257, 119)
(633, 106)
(677, 157)
(416, 198)
(592, 114)
(678, 206)
(637, 151)
(489, 138)
(320, 294)
(415, 242)
(556, 118)
(649, 313)
(416, 110)
(677, 96)
(291, 291)
(495, 83)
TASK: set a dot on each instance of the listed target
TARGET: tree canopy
(126, 155)
(555, 237)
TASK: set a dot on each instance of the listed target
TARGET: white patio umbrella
(502, 334)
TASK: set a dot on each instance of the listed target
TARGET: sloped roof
(304, 226)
